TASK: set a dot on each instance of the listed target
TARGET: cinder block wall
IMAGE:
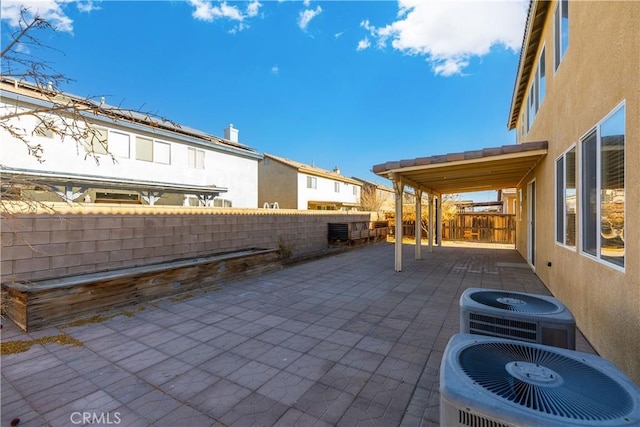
(69, 240)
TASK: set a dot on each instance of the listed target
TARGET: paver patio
(342, 340)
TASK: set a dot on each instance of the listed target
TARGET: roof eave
(532, 37)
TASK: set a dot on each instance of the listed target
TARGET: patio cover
(487, 169)
(149, 190)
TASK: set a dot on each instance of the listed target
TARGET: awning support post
(430, 222)
(68, 195)
(418, 224)
(439, 219)
(150, 196)
(398, 186)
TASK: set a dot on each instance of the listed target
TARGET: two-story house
(140, 159)
(288, 184)
(576, 111)
(578, 87)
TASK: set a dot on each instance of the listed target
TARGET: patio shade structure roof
(487, 169)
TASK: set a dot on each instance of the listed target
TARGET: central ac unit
(526, 317)
(497, 382)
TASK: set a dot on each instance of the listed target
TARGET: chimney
(231, 133)
(336, 170)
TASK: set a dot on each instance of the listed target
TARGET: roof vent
(231, 133)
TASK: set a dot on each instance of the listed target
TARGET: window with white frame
(537, 90)
(119, 144)
(602, 190)
(222, 203)
(153, 151)
(96, 141)
(312, 182)
(336, 187)
(44, 129)
(561, 31)
(162, 153)
(355, 190)
(566, 198)
(195, 158)
(144, 149)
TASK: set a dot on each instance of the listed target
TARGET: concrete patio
(342, 340)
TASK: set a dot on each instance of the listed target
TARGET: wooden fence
(482, 227)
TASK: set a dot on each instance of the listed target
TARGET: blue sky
(333, 83)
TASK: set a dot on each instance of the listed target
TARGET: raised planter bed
(39, 304)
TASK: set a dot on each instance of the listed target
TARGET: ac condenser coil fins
(525, 317)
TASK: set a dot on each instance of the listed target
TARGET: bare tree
(370, 198)
(67, 117)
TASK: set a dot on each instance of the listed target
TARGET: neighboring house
(288, 184)
(508, 197)
(578, 87)
(576, 113)
(376, 197)
(156, 161)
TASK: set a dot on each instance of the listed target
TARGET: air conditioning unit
(526, 317)
(497, 382)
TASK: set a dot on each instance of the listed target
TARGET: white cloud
(49, 10)
(306, 3)
(87, 6)
(252, 9)
(449, 33)
(306, 16)
(275, 69)
(364, 44)
(338, 35)
(206, 11)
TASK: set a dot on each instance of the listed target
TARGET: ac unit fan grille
(579, 391)
(506, 328)
(521, 303)
(473, 420)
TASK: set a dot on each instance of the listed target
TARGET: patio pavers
(342, 341)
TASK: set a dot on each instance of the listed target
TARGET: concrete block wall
(67, 240)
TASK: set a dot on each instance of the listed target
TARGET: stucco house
(576, 112)
(288, 184)
(376, 197)
(141, 160)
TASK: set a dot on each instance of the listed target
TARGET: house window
(541, 77)
(312, 182)
(561, 31)
(222, 203)
(96, 141)
(144, 149)
(153, 151)
(195, 158)
(566, 198)
(537, 91)
(336, 187)
(355, 190)
(119, 144)
(162, 153)
(602, 190)
(520, 204)
(44, 129)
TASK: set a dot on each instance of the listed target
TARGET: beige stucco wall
(277, 183)
(599, 71)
